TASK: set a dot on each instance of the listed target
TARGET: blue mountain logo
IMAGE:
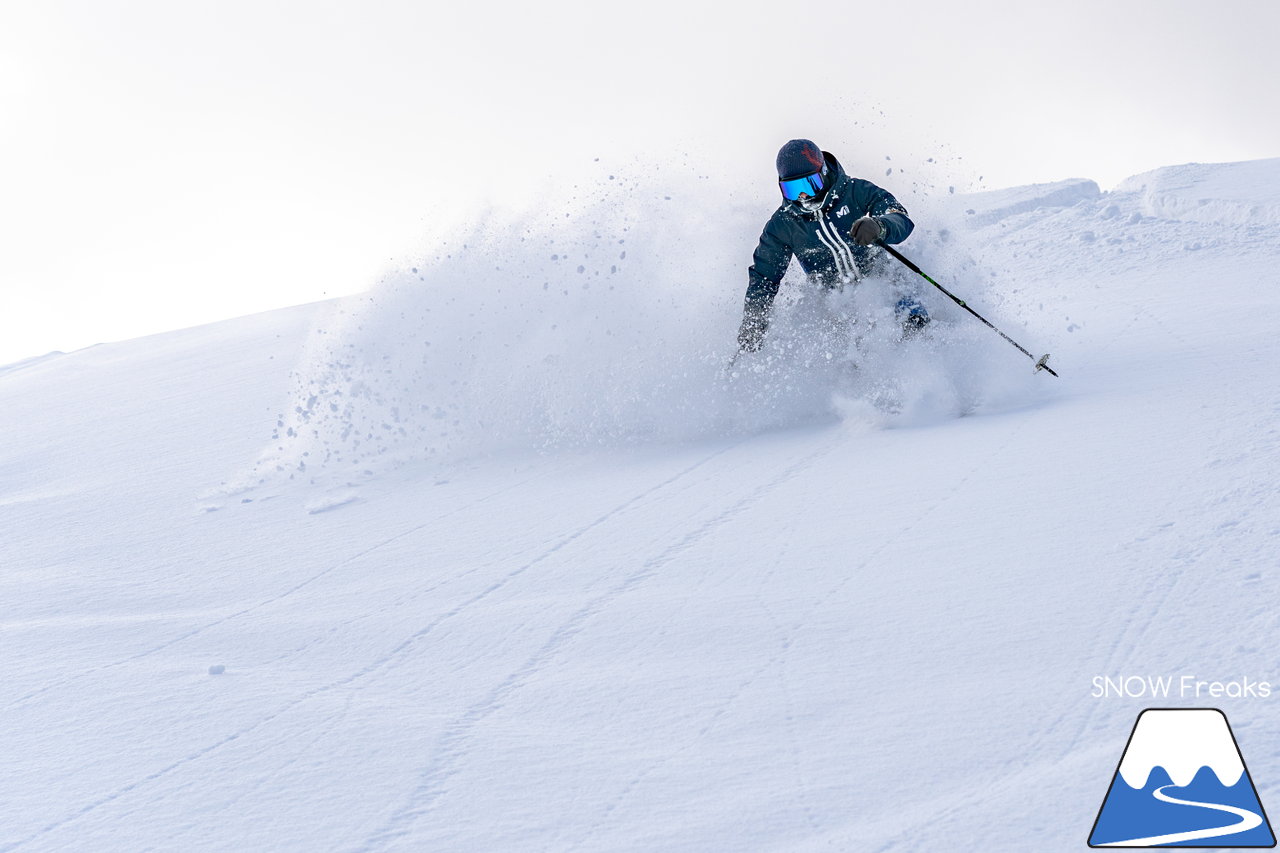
(1182, 782)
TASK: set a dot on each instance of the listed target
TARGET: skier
(827, 221)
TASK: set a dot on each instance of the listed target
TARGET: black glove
(868, 230)
(751, 332)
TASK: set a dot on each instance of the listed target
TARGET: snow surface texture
(587, 594)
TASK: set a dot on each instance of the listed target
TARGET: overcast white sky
(169, 163)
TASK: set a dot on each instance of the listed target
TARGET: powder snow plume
(606, 323)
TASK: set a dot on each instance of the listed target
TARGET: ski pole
(1042, 363)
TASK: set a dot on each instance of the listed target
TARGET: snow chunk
(330, 502)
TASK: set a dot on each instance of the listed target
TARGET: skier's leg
(911, 314)
(909, 311)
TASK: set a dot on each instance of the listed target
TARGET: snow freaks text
(1178, 687)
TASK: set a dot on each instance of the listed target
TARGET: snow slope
(558, 585)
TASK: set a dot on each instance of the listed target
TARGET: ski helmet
(802, 169)
(799, 157)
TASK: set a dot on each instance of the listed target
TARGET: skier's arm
(891, 215)
(764, 277)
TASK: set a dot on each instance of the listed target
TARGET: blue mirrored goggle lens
(810, 185)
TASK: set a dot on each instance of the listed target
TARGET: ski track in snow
(1137, 617)
(798, 627)
(389, 657)
(909, 834)
(275, 599)
(449, 752)
(1131, 616)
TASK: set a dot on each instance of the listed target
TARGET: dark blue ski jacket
(821, 240)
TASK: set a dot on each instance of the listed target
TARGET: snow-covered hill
(496, 558)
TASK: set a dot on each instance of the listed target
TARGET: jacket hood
(834, 165)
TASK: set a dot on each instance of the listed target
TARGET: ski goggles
(810, 185)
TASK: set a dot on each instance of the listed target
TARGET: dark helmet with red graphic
(803, 175)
